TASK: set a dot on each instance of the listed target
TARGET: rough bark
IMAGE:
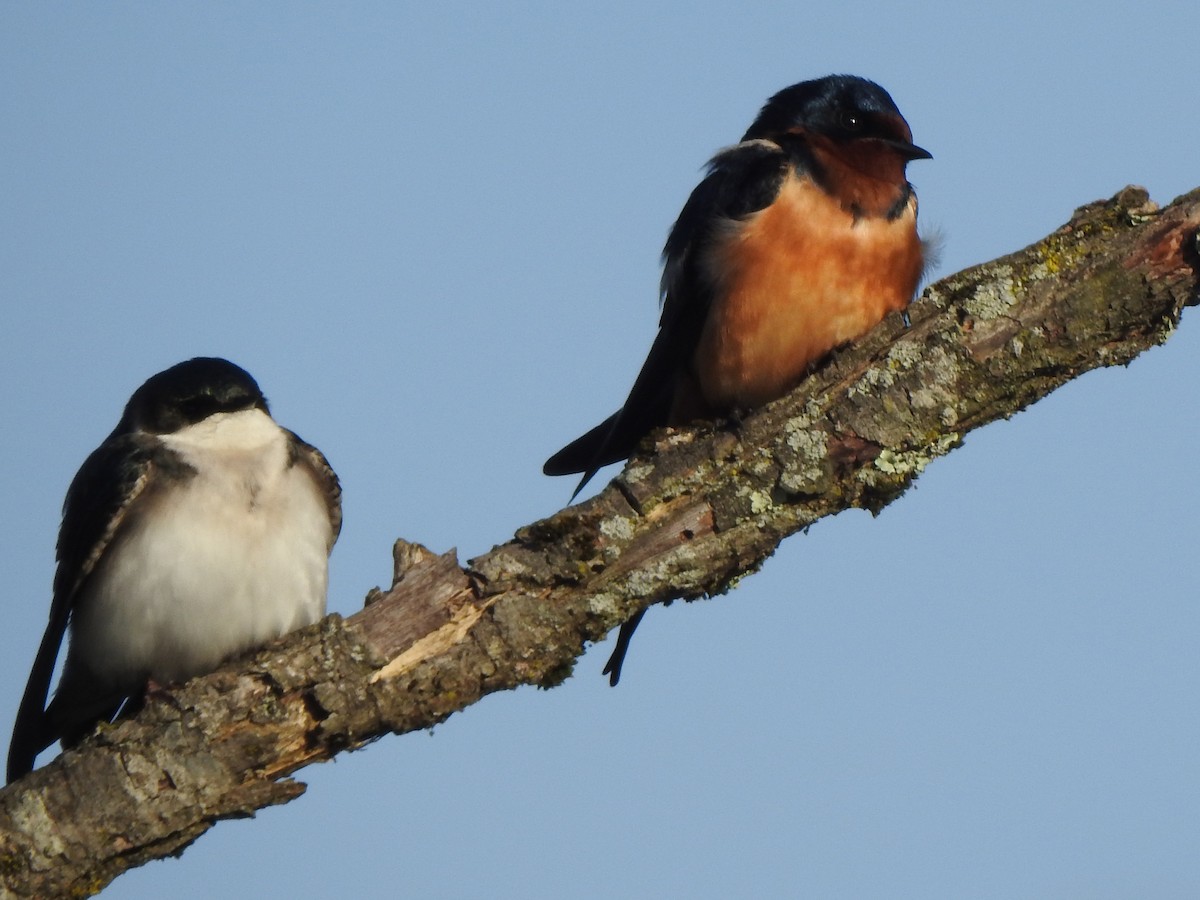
(693, 512)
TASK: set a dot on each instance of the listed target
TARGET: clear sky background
(431, 231)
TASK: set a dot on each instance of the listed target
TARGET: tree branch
(693, 512)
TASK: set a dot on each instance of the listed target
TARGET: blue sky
(431, 231)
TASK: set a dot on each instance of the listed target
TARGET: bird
(198, 529)
(800, 238)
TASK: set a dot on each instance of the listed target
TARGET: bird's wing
(741, 180)
(326, 480)
(104, 490)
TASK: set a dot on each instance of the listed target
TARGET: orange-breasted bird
(801, 238)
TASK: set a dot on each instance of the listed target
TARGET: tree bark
(694, 511)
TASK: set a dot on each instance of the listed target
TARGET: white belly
(209, 566)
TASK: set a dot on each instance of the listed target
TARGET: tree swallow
(199, 529)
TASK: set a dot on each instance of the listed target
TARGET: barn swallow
(198, 529)
(800, 238)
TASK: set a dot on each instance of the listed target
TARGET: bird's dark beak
(909, 150)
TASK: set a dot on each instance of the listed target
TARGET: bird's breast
(209, 564)
(792, 282)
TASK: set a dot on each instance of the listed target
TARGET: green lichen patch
(905, 355)
(909, 464)
(994, 299)
(873, 381)
(619, 529)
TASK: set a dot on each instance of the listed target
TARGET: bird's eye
(196, 409)
(851, 121)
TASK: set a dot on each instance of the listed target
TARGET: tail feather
(583, 452)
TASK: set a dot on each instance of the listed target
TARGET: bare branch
(696, 510)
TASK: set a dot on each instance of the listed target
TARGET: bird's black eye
(197, 409)
(850, 121)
